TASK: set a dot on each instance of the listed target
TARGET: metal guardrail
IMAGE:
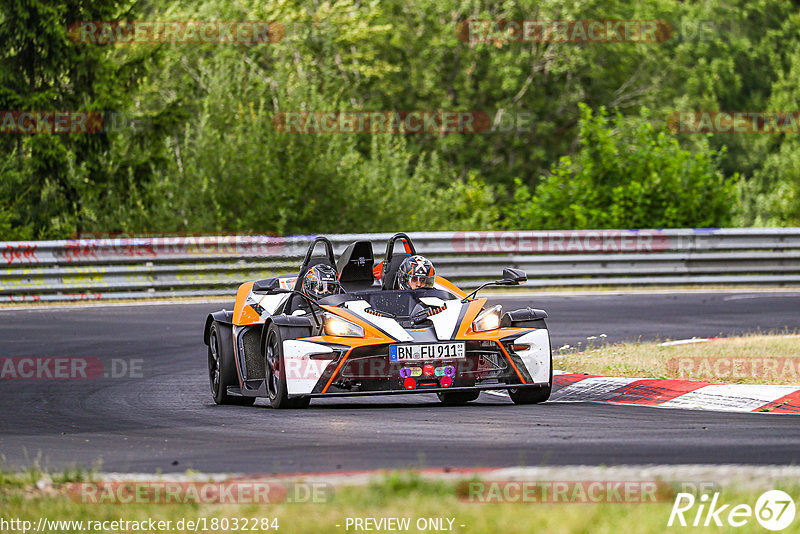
(140, 267)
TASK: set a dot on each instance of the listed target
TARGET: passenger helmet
(415, 272)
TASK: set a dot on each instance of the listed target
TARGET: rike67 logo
(774, 510)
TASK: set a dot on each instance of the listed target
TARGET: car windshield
(400, 302)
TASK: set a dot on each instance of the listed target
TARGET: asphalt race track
(165, 419)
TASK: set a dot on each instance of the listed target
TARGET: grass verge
(398, 495)
(753, 359)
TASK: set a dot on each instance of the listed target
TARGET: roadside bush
(626, 174)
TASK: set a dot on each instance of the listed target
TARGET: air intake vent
(250, 345)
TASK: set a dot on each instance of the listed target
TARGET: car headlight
(487, 320)
(337, 326)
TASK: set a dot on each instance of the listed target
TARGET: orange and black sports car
(373, 338)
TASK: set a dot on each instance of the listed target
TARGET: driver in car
(319, 282)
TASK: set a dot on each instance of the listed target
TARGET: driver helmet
(321, 281)
(415, 272)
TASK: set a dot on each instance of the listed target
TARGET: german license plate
(423, 352)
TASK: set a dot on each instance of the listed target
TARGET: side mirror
(511, 277)
(514, 277)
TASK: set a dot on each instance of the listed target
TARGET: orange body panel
(242, 314)
(450, 286)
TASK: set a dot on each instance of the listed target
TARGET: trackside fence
(141, 267)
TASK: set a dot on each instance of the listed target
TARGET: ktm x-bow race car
(372, 338)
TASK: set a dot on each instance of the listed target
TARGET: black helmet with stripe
(415, 272)
(321, 281)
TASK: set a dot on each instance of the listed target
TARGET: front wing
(316, 368)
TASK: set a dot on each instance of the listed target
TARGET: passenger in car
(416, 272)
(319, 282)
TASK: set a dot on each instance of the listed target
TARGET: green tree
(626, 174)
(211, 161)
(233, 171)
(772, 196)
(57, 184)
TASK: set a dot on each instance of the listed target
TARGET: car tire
(533, 395)
(529, 395)
(457, 398)
(277, 389)
(222, 368)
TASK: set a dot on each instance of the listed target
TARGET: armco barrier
(120, 267)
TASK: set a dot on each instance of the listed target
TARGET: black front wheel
(221, 367)
(276, 373)
(530, 395)
(538, 394)
(457, 398)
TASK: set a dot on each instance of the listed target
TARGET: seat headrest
(355, 266)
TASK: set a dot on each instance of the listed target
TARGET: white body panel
(432, 301)
(537, 357)
(446, 322)
(270, 303)
(387, 324)
(302, 373)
